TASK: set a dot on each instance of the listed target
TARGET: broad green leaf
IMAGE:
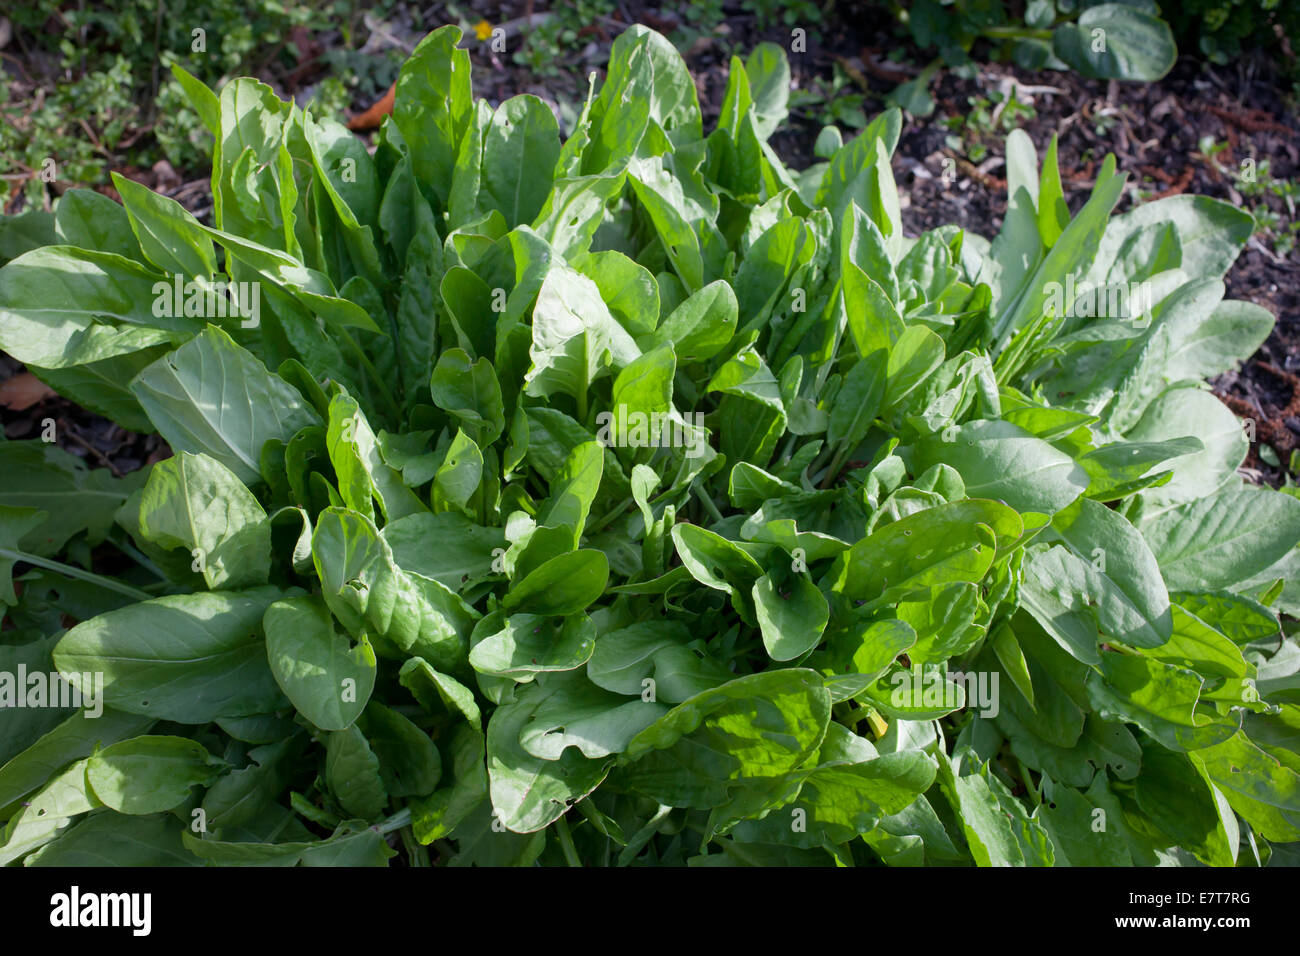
(362, 473)
(433, 105)
(75, 738)
(109, 839)
(74, 498)
(346, 848)
(1134, 44)
(327, 679)
(999, 832)
(47, 813)
(187, 657)
(561, 586)
(409, 763)
(61, 306)
(149, 774)
(577, 714)
(471, 393)
(352, 774)
(528, 793)
(572, 332)
(749, 732)
(651, 659)
(210, 396)
(91, 220)
(196, 503)
(369, 594)
(792, 614)
(240, 796)
(530, 644)
(519, 151)
(170, 237)
(1221, 540)
(1001, 461)
(941, 545)
(1121, 580)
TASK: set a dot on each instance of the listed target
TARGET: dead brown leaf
(23, 391)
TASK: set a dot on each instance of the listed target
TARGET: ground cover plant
(1112, 41)
(634, 499)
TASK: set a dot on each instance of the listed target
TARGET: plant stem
(836, 464)
(643, 836)
(566, 842)
(416, 852)
(375, 377)
(135, 555)
(74, 572)
(1016, 33)
(709, 506)
(1029, 782)
(398, 820)
(603, 521)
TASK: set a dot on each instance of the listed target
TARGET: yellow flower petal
(482, 29)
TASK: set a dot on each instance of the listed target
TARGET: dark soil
(1153, 129)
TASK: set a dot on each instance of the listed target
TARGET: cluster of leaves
(405, 576)
(1119, 41)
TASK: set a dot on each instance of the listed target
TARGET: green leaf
(433, 105)
(747, 733)
(1219, 541)
(1116, 41)
(47, 813)
(75, 498)
(530, 644)
(239, 797)
(564, 585)
(941, 545)
(702, 325)
(327, 679)
(187, 657)
(652, 658)
(362, 473)
(1002, 461)
(1261, 788)
(370, 594)
(792, 614)
(91, 220)
(352, 774)
(446, 547)
(169, 236)
(576, 714)
(471, 394)
(1121, 579)
(999, 832)
(212, 397)
(519, 151)
(149, 774)
(572, 333)
(61, 306)
(409, 763)
(858, 401)
(70, 741)
(346, 848)
(108, 839)
(196, 503)
(529, 793)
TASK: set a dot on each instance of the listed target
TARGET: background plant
(108, 65)
(1119, 41)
